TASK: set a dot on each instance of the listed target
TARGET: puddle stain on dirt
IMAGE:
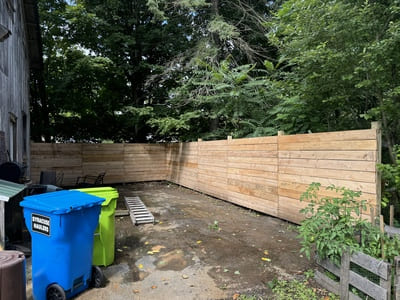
(173, 260)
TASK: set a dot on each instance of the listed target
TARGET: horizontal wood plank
(368, 287)
(254, 140)
(356, 176)
(255, 147)
(329, 154)
(376, 266)
(356, 186)
(367, 166)
(329, 146)
(350, 135)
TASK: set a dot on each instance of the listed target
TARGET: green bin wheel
(55, 292)
(98, 280)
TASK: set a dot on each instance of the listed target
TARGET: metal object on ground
(138, 211)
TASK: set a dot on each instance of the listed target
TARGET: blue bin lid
(61, 202)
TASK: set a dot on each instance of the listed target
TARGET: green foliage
(214, 226)
(174, 126)
(215, 68)
(103, 56)
(338, 58)
(224, 30)
(309, 274)
(292, 289)
(391, 178)
(334, 224)
(248, 297)
(234, 100)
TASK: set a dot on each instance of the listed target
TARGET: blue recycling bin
(62, 226)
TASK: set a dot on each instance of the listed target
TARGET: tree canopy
(149, 70)
(120, 70)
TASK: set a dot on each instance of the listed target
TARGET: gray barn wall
(14, 79)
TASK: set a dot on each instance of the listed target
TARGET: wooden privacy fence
(267, 174)
(121, 162)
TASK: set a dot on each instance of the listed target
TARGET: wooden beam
(377, 126)
(345, 275)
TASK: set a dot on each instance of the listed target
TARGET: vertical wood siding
(14, 78)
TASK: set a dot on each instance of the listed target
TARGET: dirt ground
(199, 248)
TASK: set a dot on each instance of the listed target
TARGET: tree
(99, 55)
(339, 65)
(223, 89)
(129, 64)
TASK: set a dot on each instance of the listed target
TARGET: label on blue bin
(41, 224)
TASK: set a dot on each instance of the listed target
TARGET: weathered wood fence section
(267, 174)
(381, 270)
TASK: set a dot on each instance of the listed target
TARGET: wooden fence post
(372, 215)
(391, 219)
(345, 275)
(377, 126)
(382, 229)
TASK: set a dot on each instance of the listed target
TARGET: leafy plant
(334, 224)
(247, 297)
(391, 179)
(292, 289)
(309, 274)
(214, 226)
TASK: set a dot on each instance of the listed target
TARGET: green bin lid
(61, 202)
(108, 193)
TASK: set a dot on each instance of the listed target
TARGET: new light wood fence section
(267, 174)
(121, 162)
(345, 158)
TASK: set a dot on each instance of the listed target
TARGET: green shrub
(334, 224)
(391, 180)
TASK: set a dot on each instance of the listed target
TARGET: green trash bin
(104, 237)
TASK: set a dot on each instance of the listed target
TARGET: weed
(292, 289)
(214, 226)
(309, 274)
(292, 228)
(246, 297)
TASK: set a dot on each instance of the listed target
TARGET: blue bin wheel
(97, 280)
(55, 292)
